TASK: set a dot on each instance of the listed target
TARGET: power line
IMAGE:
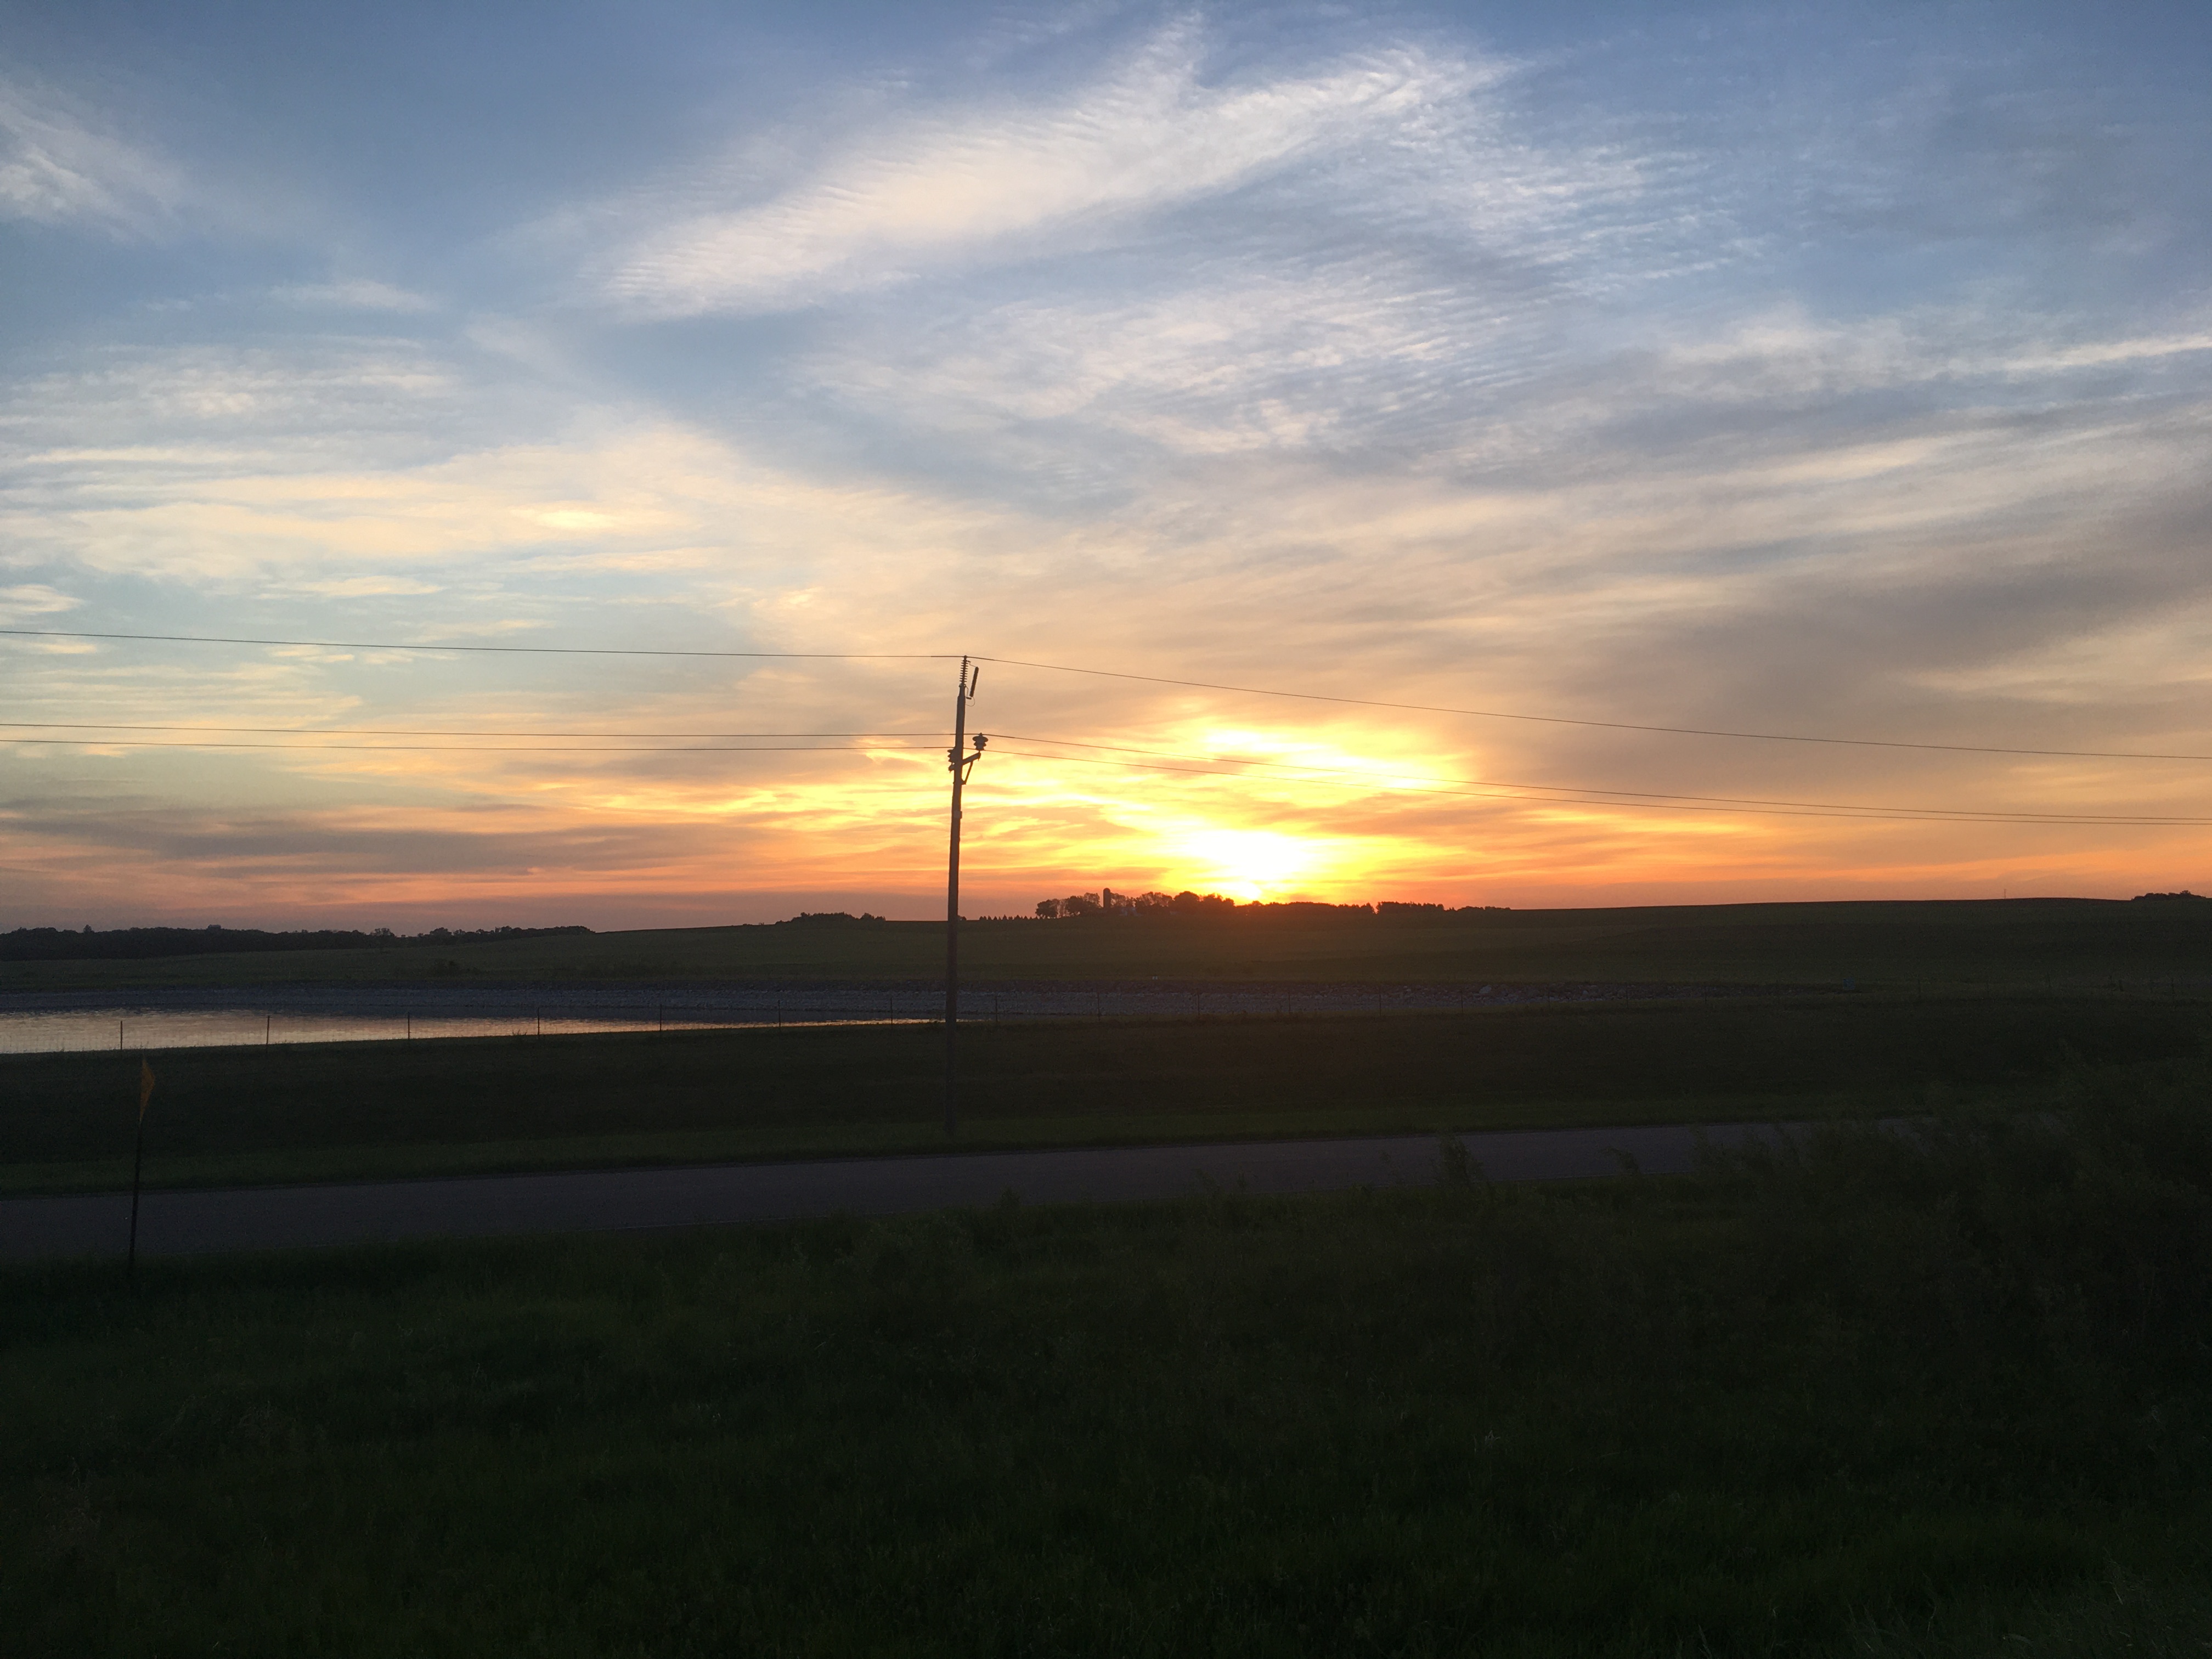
(1604, 725)
(1120, 674)
(502, 650)
(484, 747)
(1472, 788)
(1962, 813)
(407, 731)
(1900, 815)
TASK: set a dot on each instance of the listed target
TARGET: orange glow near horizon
(482, 837)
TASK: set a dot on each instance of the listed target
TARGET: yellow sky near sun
(590, 832)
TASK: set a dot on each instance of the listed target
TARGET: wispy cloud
(356, 294)
(253, 399)
(33, 602)
(343, 507)
(369, 588)
(1363, 353)
(60, 165)
(924, 191)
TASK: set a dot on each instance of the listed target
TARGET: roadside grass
(2113, 1614)
(361, 1111)
(1935, 1395)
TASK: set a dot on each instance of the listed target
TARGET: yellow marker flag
(145, 1088)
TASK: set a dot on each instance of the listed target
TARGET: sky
(1835, 371)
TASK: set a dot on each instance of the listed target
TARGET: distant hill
(136, 944)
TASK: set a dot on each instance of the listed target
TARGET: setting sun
(1248, 864)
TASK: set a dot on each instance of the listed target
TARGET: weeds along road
(189, 1222)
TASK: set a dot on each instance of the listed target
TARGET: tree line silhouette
(1107, 903)
(133, 944)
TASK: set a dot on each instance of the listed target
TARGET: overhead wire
(1209, 766)
(1565, 790)
(414, 732)
(816, 743)
(1109, 673)
(1479, 789)
(501, 650)
(487, 748)
(1605, 725)
(1909, 815)
(813, 743)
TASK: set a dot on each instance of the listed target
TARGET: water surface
(48, 1021)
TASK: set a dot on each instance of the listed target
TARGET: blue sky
(1837, 370)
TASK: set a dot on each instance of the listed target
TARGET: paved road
(277, 1217)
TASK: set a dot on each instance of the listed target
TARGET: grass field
(393, 1108)
(2019, 943)
(1945, 1398)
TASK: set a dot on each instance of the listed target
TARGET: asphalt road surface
(198, 1222)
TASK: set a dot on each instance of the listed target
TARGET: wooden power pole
(961, 761)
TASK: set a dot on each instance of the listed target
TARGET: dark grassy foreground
(2019, 942)
(1951, 1399)
(383, 1108)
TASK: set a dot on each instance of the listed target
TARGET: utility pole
(961, 761)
